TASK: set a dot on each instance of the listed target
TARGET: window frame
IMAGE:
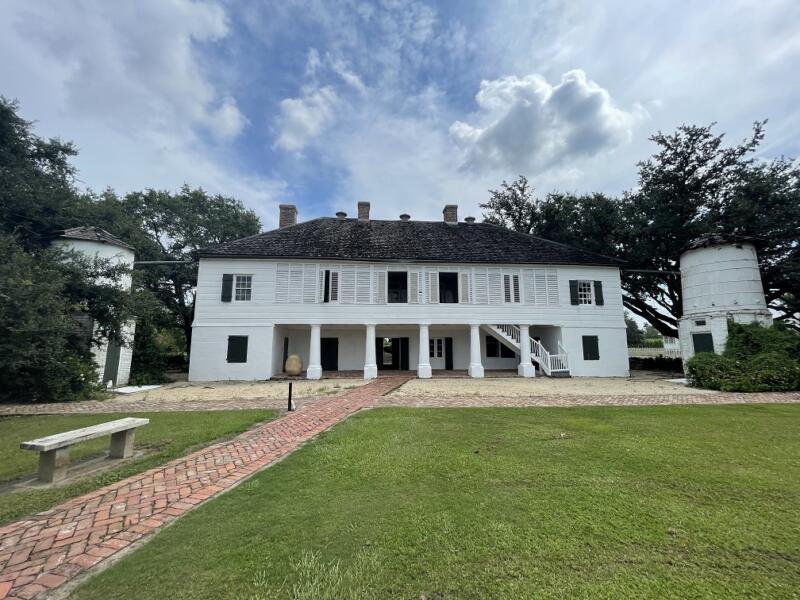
(327, 285)
(457, 277)
(514, 295)
(584, 352)
(237, 289)
(388, 277)
(582, 295)
(436, 348)
(246, 350)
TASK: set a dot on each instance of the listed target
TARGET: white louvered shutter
(379, 287)
(321, 285)
(363, 285)
(480, 287)
(413, 287)
(309, 284)
(465, 291)
(529, 285)
(296, 284)
(347, 285)
(282, 283)
(433, 287)
(541, 286)
(515, 288)
(552, 286)
(495, 285)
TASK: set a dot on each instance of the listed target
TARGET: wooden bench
(54, 449)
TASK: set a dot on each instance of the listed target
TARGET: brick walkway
(589, 400)
(53, 548)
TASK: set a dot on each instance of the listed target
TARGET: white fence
(642, 352)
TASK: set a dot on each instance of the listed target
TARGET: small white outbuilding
(721, 281)
(113, 360)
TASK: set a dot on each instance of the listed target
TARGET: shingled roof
(92, 234)
(398, 241)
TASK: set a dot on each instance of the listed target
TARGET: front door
(392, 353)
(448, 353)
(329, 351)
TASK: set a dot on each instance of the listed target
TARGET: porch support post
(370, 366)
(314, 370)
(424, 366)
(475, 366)
(525, 368)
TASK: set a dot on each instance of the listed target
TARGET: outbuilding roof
(92, 234)
(404, 241)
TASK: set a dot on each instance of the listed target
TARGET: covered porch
(425, 350)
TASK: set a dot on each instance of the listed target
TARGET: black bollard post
(291, 404)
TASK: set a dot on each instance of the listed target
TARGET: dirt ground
(642, 384)
(239, 390)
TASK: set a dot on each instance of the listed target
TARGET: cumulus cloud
(527, 124)
(227, 121)
(302, 119)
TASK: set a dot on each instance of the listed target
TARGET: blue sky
(407, 104)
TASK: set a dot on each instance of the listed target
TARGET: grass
(655, 502)
(167, 436)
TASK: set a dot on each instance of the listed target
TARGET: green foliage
(756, 359)
(633, 332)
(691, 186)
(42, 357)
(708, 370)
(748, 339)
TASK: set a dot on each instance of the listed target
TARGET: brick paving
(43, 553)
(589, 400)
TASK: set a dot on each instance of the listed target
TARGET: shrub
(709, 371)
(747, 340)
(765, 372)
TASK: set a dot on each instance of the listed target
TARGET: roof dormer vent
(469, 220)
(405, 218)
(341, 214)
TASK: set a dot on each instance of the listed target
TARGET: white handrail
(549, 363)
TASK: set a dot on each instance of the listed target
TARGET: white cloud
(128, 83)
(302, 119)
(527, 124)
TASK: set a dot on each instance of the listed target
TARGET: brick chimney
(288, 215)
(450, 213)
(363, 211)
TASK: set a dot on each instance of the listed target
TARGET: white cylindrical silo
(720, 281)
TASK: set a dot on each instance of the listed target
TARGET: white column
(475, 366)
(525, 368)
(370, 366)
(424, 366)
(314, 370)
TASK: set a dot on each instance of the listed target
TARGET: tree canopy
(692, 185)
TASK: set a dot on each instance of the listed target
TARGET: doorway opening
(392, 353)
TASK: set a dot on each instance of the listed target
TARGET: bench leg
(53, 465)
(122, 444)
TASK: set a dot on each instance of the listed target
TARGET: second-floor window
(511, 288)
(243, 288)
(397, 288)
(331, 289)
(448, 288)
(585, 295)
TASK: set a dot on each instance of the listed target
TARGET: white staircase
(553, 365)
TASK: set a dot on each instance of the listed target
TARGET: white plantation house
(368, 295)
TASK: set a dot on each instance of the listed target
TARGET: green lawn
(167, 436)
(657, 502)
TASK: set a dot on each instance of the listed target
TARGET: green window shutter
(598, 293)
(591, 348)
(573, 292)
(237, 348)
(227, 288)
(703, 342)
